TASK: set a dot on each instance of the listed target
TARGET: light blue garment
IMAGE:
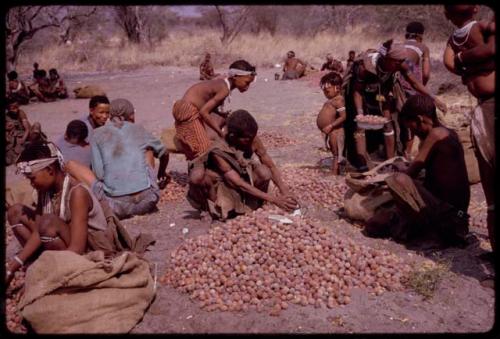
(73, 152)
(118, 157)
(85, 119)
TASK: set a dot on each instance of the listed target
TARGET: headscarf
(120, 110)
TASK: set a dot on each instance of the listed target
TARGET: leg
(487, 174)
(334, 145)
(22, 220)
(360, 140)
(80, 172)
(389, 136)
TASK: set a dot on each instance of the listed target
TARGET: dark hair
(42, 73)
(242, 124)
(242, 65)
(352, 52)
(34, 151)
(77, 129)
(416, 105)
(461, 11)
(98, 99)
(12, 75)
(35, 65)
(332, 78)
(53, 71)
(415, 27)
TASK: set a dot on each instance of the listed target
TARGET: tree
(231, 22)
(23, 22)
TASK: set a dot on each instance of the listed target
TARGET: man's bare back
(200, 93)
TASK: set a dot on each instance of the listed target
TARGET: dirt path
(460, 303)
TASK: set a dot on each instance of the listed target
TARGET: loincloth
(483, 130)
(189, 129)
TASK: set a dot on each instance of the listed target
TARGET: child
(332, 116)
(57, 84)
(73, 145)
(192, 112)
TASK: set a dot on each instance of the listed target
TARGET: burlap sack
(20, 192)
(362, 207)
(470, 157)
(70, 293)
(170, 141)
(88, 91)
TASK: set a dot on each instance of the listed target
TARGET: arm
(209, 106)
(96, 160)
(79, 204)
(419, 87)
(419, 162)
(265, 159)
(26, 124)
(358, 98)
(449, 59)
(482, 52)
(426, 66)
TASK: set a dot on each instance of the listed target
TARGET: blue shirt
(118, 157)
(73, 152)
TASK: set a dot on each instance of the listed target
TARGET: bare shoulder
(258, 146)
(338, 101)
(439, 133)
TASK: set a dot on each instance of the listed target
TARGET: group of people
(44, 87)
(105, 163)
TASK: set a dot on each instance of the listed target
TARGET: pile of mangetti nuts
(176, 189)
(255, 263)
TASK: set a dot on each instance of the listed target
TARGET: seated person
(331, 118)
(332, 64)
(67, 214)
(18, 132)
(350, 60)
(98, 114)
(436, 208)
(17, 89)
(73, 145)
(235, 183)
(293, 68)
(57, 84)
(122, 160)
(206, 69)
(42, 88)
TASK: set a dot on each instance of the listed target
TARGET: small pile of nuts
(253, 263)
(275, 140)
(13, 317)
(313, 186)
(176, 189)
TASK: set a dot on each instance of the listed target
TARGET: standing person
(206, 69)
(331, 118)
(98, 114)
(194, 124)
(470, 53)
(419, 64)
(436, 208)
(293, 68)
(374, 89)
(73, 145)
(57, 84)
(122, 160)
(350, 60)
(17, 89)
(233, 182)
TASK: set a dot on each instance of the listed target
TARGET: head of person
(35, 66)
(42, 73)
(290, 54)
(392, 56)
(460, 14)
(53, 75)
(415, 30)
(76, 132)
(352, 55)
(13, 77)
(419, 114)
(242, 74)
(121, 110)
(12, 106)
(329, 57)
(241, 129)
(99, 109)
(331, 84)
(207, 56)
(40, 163)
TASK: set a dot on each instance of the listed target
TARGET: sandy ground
(459, 304)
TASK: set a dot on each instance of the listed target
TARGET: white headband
(235, 72)
(28, 167)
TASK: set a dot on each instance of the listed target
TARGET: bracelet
(360, 111)
(16, 258)
(459, 57)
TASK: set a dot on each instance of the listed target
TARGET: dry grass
(426, 278)
(186, 49)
